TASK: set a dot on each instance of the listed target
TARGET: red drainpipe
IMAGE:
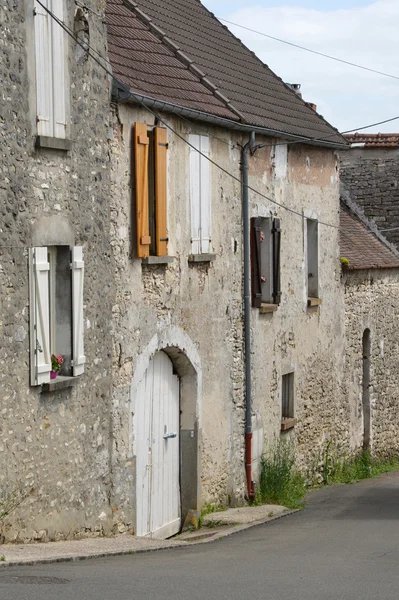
(248, 466)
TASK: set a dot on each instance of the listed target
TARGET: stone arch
(187, 365)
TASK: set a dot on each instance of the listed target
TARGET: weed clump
(280, 481)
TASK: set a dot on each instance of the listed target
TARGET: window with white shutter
(56, 312)
(200, 195)
(51, 60)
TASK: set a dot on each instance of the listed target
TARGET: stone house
(370, 175)
(184, 93)
(54, 189)
(199, 196)
(370, 288)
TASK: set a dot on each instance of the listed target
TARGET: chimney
(296, 87)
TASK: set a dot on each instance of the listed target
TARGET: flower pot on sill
(53, 374)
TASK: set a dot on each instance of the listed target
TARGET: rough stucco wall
(306, 341)
(371, 176)
(201, 300)
(372, 302)
(54, 446)
(206, 302)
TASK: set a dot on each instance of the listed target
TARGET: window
(150, 164)
(312, 257)
(265, 261)
(287, 402)
(56, 310)
(200, 195)
(50, 54)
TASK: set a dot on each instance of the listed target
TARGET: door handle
(167, 436)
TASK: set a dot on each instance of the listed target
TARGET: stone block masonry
(371, 177)
(54, 447)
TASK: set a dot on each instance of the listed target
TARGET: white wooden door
(157, 450)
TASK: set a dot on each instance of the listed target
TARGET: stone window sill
(201, 258)
(53, 143)
(314, 302)
(287, 424)
(267, 308)
(157, 260)
(60, 383)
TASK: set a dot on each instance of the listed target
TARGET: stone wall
(54, 447)
(371, 177)
(372, 302)
(205, 302)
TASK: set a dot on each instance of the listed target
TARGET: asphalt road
(344, 545)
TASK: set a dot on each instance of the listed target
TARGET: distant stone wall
(372, 302)
(371, 176)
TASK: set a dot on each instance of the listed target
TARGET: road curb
(219, 535)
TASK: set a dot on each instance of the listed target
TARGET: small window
(265, 261)
(60, 305)
(150, 173)
(200, 195)
(56, 311)
(51, 69)
(312, 258)
(287, 401)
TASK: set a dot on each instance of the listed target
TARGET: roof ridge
(264, 65)
(356, 210)
(182, 57)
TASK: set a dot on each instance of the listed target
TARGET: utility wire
(346, 62)
(88, 49)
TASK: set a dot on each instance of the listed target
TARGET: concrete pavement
(343, 546)
(221, 524)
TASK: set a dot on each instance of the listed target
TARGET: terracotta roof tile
(147, 66)
(361, 246)
(375, 140)
(254, 94)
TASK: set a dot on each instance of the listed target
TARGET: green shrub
(280, 481)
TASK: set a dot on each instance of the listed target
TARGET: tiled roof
(147, 66)
(375, 140)
(361, 246)
(251, 91)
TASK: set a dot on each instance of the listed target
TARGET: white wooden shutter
(44, 70)
(39, 312)
(205, 203)
(58, 50)
(78, 357)
(195, 195)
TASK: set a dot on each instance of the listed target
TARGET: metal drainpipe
(247, 316)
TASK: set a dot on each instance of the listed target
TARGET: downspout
(247, 315)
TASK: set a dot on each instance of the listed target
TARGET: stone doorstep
(50, 552)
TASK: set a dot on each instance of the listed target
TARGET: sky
(359, 31)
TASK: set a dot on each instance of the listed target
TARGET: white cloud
(346, 96)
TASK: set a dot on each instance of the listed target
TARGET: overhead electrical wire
(341, 60)
(137, 98)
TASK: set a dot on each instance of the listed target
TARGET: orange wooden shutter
(141, 148)
(160, 191)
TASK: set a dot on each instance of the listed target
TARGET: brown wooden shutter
(276, 233)
(256, 265)
(161, 147)
(141, 147)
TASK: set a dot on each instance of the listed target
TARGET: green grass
(344, 469)
(280, 481)
(209, 509)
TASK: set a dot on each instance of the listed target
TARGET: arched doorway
(165, 400)
(366, 389)
(157, 432)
